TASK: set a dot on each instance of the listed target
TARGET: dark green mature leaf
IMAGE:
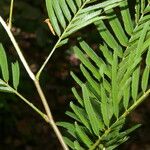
(4, 63)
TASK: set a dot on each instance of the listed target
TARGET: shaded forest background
(20, 127)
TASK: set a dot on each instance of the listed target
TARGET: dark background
(20, 127)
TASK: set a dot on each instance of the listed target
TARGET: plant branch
(49, 114)
(38, 87)
(32, 76)
(10, 14)
(44, 116)
(128, 111)
(59, 40)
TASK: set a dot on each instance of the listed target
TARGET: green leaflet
(142, 38)
(77, 146)
(107, 54)
(145, 78)
(115, 85)
(148, 58)
(76, 79)
(82, 135)
(6, 89)
(86, 62)
(126, 17)
(65, 9)
(81, 115)
(143, 4)
(98, 61)
(72, 115)
(75, 93)
(90, 80)
(59, 13)
(135, 83)
(4, 63)
(137, 11)
(96, 123)
(105, 107)
(126, 97)
(15, 74)
(68, 126)
(117, 28)
(69, 142)
(78, 2)
(71, 6)
(52, 16)
(111, 80)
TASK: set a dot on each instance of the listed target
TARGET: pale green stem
(44, 116)
(49, 114)
(32, 76)
(38, 87)
(60, 38)
(128, 111)
(10, 14)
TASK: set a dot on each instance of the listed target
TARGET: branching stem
(128, 111)
(60, 38)
(38, 87)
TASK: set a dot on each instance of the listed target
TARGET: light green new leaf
(81, 114)
(135, 83)
(86, 62)
(69, 142)
(77, 146)
(82, 135)
(115, 84)
(15, 74)
(126, 17)
(78, 81)
(77, 96)
(6, 89)
(117, 28)
(90, 80)
(4, 63)
(142, 39)
(145, 78)
(69, 127)
(105, 107)
(148, 57)
(126, 97)
(72, 115)
(96, 123)
(52, 16)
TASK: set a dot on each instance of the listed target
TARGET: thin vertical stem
(49, 114)
(10, 14)
(37, 85)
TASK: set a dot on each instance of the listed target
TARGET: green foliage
(4, 86)
(116, 83)
(68, 16)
